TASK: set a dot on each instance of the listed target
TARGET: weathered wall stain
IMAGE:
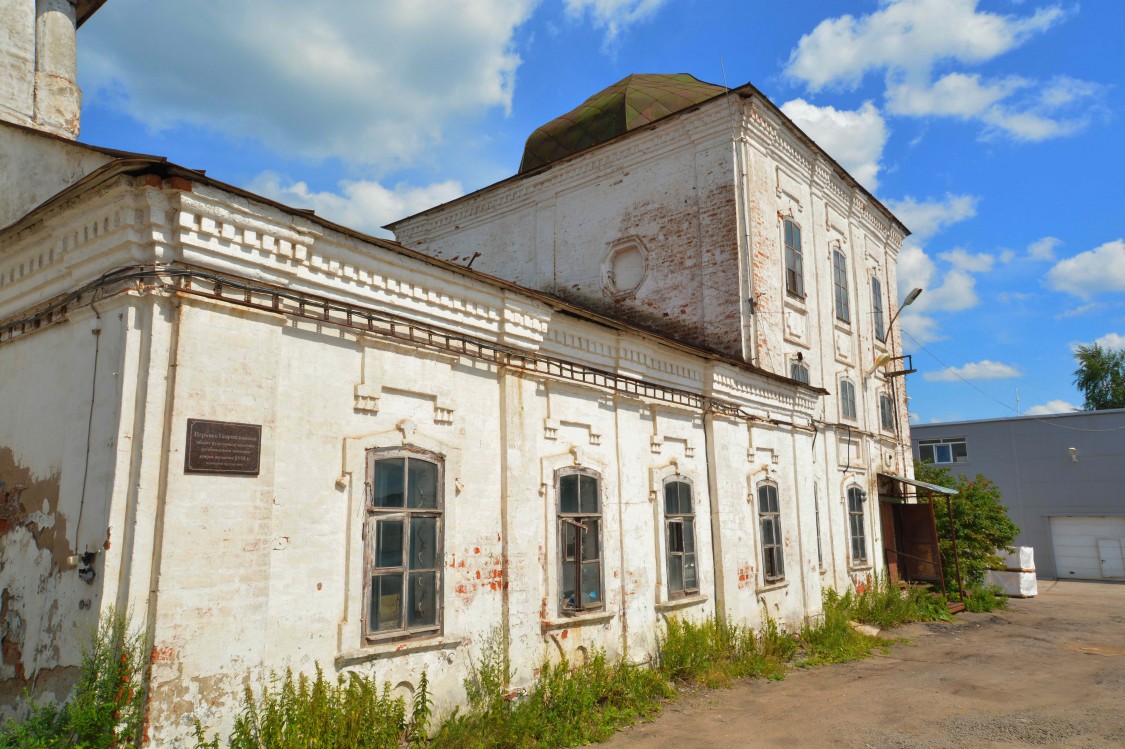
(21, 495)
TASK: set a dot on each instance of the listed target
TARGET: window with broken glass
(403, 544)
(773, 551)
(794, 262)
(679, 520)
(856, 499)
(580, 541)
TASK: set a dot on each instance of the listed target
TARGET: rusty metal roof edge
(919, 484)
(140, 164)
(746, 88)
(84, 9)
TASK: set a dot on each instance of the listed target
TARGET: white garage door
(1089, 548)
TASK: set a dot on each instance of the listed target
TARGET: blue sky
(993, 128)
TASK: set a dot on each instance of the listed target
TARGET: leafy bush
(303, 712)
(981, 521)
(886, 605)
(984, 598)
(715, 651)
(106, 708)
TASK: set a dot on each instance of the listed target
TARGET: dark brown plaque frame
(223, 448)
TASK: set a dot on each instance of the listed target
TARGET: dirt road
(1047, 671)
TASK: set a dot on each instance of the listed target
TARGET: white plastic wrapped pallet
(1018, 579)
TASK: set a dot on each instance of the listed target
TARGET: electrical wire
(1002, 403)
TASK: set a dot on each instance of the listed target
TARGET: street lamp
(914, 294)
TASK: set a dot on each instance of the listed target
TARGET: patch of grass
(714, 651)
(984, 598)
(567, 706)
(296, 713)
(884, 604)
(106, 708)
(833, 639)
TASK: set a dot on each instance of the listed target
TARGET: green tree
(982, 523)
(1100, 376)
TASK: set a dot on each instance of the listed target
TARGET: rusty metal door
(919, 544)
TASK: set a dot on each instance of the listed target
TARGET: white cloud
(910, 35)
(1078, 311)
(854, 138)
(919, 328)
(1007, 256)
(1043, 249)
(955, 292)
(985, 369)
(1091, 272)
(954, 95)
(969, 262)
(908, 41)
(1111, 341)
(1051, 407)
(925, 218)
(372, 82)
(363, 205)
(613, 15)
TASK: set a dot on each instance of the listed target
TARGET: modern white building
(1062, 477)
(280, 442)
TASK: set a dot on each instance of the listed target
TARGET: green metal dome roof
(628, 104)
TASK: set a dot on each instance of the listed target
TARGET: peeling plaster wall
(54, 498)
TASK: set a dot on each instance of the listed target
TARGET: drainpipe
(713, 497)
(162, 488)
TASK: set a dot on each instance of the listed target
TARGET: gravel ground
(1047, 671)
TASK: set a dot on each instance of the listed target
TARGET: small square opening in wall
(624, 267)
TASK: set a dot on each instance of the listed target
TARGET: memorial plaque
(222, 447)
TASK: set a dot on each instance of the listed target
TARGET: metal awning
(920, 484)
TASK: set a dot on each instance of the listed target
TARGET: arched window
(403, 543)
(857, 498)
(840, 284)
(679, 523)
(799, 372)
(773, 549)
(794, 264)
(580, 541)
(847, 400)
(877, 308)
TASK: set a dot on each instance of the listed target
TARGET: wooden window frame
(840, 287)
(769, 515)
(877, 309)
(374, 515)
(857, 528)
(580, 521)
(794, 259)
(799, 371)
(846, 387)
(672, 519)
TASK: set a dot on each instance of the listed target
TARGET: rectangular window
(679, 520)
(886, 412)
(847, 400)
(403, 544)
(840, 283)
(773, 550)
(794, 264)
(949, 450)
(877, 308)
(856, 499)
(580, 542)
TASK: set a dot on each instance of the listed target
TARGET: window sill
(675, 604)
(864, 567)
(578, 620)
(770, 587)
(398, 647)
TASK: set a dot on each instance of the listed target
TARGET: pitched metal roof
(630, 103)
